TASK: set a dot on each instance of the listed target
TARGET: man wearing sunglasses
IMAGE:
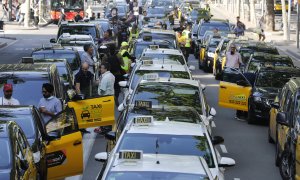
(8, 99)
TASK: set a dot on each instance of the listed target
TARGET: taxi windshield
(23, 118)
(153, 11)
(28, 91)
(160, 57)
(210, 27)
(5, 155)
(149, 175)
(274, 79)
(87, 30)
(168, 144)
(171, 94)
(164, 74)
(173, 114)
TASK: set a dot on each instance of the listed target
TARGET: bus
(71, 7)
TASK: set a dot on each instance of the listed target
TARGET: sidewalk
(288, 48)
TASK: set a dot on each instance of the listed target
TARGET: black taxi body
(15, 153)
(220, 53)
(285, 127)
(27, 81)
(58, 52)
(253, 92)
(158, 34)
(30, 120)
(259, 59)
(210, 48)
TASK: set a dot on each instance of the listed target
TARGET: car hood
(267, 92)
(5, 173)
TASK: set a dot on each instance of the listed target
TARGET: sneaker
(240, 118)
(85, 131)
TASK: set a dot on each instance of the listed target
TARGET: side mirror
(111, 135)
(24, 164)
(52, 40)
(101, 157)
(226, 162)
(132, 65)
(242, 83)
(217, 140)
(121, 107)
(192, 68)
(194, 34)
(281, 119)
(123, 84)
(212, 112)
(275, 105)
(126, 76)
(203, 87)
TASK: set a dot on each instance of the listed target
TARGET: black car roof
(54, 50)
(279, 69)
(266, 56)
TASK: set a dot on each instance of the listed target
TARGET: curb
(2, 45)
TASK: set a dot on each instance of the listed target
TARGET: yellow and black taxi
(167, 138)
(27, 81)
(258, 60)
(284, 125)
(220, 53)
(278, 6)
(56, 51)
(209, 53)
(17, 161)
(221, 25)
(30, 120)
(253, 92)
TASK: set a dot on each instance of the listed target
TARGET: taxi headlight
(210, 54)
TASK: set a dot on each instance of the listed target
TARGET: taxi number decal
(143, 104)
(55, 158)
(92, 113)
(238, 99)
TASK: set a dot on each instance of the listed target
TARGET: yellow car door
(273, 123)
(94, 112)
(202, 53)
(64, 154)
(233, 93)
(282, 134)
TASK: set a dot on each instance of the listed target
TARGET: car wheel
(200, 65)
(270, 140)
(286, 166)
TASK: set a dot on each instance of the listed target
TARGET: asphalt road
(247, 144)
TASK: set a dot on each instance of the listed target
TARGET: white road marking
(212, 85)
(213, 124)
(223, 148)
(236, 178)
(203, 76)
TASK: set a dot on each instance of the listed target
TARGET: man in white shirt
(233, 58)
(87, 56)
(8, 99)
(107, 82)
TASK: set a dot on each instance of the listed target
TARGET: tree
(284, 20)
(270, 15)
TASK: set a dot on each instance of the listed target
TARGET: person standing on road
(22, 13)
(49, 105)
(7, 99)
(239, 30)
(87, 56)
(233, 58)
(106, 88)
(240, 22)
(261, 31)
(84, 81)
(126, 57)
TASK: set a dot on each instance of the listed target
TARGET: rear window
(70, 57)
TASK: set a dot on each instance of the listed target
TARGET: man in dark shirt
(84, 81)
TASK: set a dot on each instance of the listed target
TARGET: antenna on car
(157, 148)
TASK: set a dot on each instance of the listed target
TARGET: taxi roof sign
(151, 76)
(143, 120)
(147, 62)
(231, 35)
(143, 104)
(131, 155)
(153, 47)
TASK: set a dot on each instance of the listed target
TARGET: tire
(270, 140)
(286, 166)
